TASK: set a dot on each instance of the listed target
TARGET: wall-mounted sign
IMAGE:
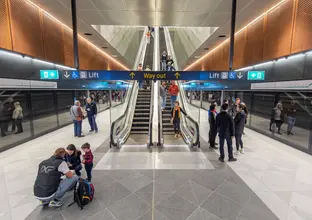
(256, 75)
(49, 74)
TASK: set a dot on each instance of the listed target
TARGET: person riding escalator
(176, 118)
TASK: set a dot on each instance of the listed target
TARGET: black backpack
(83, 193)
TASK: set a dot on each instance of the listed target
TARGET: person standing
(235, 107)
(87, 160)
(213, 126)
(277, 117)
(225, 125)
(77, 117)
(173, 91)
(163, 61)
(291, 116)
(239, 120)
(18, 117)
(2, 119)
(163, 95)
(91, 109)
(49, 188)
(176, 118)
(169, 63)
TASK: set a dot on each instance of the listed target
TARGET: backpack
(83, 193)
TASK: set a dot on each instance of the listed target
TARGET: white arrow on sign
(52, 74)
(240, 75)
(253, 75)
(66, 75)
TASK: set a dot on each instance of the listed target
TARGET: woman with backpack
(73, 159)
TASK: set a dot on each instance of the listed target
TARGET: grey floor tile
(176, 208)
(157, 216)
(235, 189)
(108, 195)
(160, 193)
(41, 213)
(202, 214)
(130, 208)
(101, 178)
(256, 210)
(168, 179)
(102, 215)
(187, 174)
(135, 181)
(194, 192)
(211, 179)
(73, 212)
(222, 207)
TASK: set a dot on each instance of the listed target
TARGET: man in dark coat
(225, 125)
(239, 121)
(213, 126)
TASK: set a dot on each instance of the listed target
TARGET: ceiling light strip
(70, 29)
(253, 21)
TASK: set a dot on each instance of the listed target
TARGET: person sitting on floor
(49, 188)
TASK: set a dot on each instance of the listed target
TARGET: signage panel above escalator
(158, 75)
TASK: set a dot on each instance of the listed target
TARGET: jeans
(18, 123)
(77, 128)
(92, 122)
(229, 145)
(163, 104)
(173, 99)
(291, 123)
(238, 140)
(163, 65)
(212, 136)
(14, 124)
(176, 125)
(88, 168)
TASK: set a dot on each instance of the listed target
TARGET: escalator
(162, 41)
(148, 59)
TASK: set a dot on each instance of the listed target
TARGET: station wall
(282, 31)
(26, 29)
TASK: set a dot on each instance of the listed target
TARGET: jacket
(273, 115)
(225, 124)
(91, 109)
(88, 157)
(17, 113)
(173, 90)
(164, 57)
(73, 159)
(176, 113)
(163, 91)
(239, 120)
(48, 178)
(76, 113)
(213, 121)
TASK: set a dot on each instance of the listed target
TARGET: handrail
(150, 131)
(160, 127)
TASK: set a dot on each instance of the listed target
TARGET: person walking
(163, 95)
(225, 125)
(49, 188)
(239, 120)
(77, 117)
(213, 126)
(18, 117)
(91, 109)
(173, 91)
(176, 118)
(163, 61)
(291, 116)
(277, 117)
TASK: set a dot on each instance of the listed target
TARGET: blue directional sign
(256, 75)
(74, 75)
(49, 74)
(232, 75)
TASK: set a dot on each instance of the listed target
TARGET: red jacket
(173, 90)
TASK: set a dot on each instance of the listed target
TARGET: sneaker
(242, 151)
(43, 203)
(221, 159)
(237, 152)
(232, 159)
(56, 203)
(91, 130)
(81, 136)
(279, 133)
(96, 131)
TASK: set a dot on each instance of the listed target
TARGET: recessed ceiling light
(206, 48)
(222, 36)
(88, 34)
(114, 56)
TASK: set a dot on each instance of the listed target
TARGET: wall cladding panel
(225, 56)
(278, 35)
(302, 37)
(68, 47)
(26, 29)
(83, 53)
(254, 43)
(5, 30)
(239, 49)
(53, 40)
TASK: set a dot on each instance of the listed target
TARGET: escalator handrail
(150, 131)
(120, 118)
(160, 128)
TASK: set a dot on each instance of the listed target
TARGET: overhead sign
(158, 75)
(49, 74)
(256, 75)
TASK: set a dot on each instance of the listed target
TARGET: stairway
(166, 116)
(140, 124)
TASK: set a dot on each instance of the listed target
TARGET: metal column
(232, 37)
(75, 34)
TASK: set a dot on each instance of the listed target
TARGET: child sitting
(87, 160)
(73, 160)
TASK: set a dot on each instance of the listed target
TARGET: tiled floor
(270, 178)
